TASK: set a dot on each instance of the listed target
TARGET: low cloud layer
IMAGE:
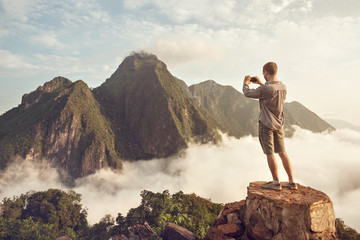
(327, 162)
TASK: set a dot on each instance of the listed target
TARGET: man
(272, 96)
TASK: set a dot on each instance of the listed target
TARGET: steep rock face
(61, 122)
(150, 114)
(301, 214)
(238, 115)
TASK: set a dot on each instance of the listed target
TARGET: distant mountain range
(238, 115)
(141, 112)
(341, 124)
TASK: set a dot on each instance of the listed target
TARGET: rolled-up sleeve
(252, 93)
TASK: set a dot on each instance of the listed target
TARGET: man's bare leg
(273, 166)
(287, 165)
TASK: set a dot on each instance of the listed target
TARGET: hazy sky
(315, 43)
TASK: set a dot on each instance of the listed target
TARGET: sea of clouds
(325, 161)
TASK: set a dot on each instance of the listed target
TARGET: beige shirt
(271, 96)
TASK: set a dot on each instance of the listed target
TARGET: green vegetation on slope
(187, 210)
(43, 215)
(190, 120)
(61, 121)
(19, 126)
(95, 128)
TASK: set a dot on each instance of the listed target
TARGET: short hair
(271, 68)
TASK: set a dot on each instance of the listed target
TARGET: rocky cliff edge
(299, 214)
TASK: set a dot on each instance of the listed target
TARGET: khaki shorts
(271, 140)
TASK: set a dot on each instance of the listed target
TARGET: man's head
(270, 70)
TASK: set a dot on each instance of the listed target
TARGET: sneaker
(272, 185)
(292, 185)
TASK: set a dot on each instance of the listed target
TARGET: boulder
(119, 237)
(228, 225)
(216, 234)
(176, 232)
(302, 214)
(142, 232)
(63, 238)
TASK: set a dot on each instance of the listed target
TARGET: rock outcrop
(142, 232)
(175, 232)
(138, 232)
(301, 214)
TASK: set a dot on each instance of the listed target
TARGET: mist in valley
(325, 161)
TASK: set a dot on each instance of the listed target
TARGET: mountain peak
(54, 84)
(142, 55)
(31, 98)
(152, 115)
(135, 68)
(136, 60)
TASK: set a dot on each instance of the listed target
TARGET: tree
(120, 227)
(15, 229)
(187, 210)
(57, 207)
(101, 230)
(13, 208)
(344, 232)
(53, 210)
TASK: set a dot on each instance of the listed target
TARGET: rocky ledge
(266, 214)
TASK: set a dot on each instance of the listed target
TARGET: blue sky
(315, 43)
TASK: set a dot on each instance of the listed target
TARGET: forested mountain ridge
(141, 112)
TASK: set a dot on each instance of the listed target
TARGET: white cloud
(48, 39)
(180, 50)
(223, 12)
(3, 33)
(327, 162)
(71, 67)
(18, 10)
(135, 4)
(9, 60)
(295, 5)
